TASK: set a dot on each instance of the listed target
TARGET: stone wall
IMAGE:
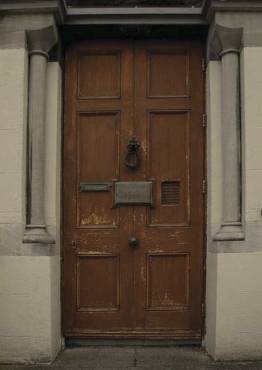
(234, 274)
(30, 329)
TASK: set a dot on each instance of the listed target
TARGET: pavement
(137, 358)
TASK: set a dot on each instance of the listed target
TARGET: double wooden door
(134, 269)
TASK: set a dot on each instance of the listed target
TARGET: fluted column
(39, 43)
(228, 43)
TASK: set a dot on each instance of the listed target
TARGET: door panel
(166, 84)
(153, 91)
(168, 156)
(97, 162)
(94, 291)
(98, 120)
(169, 260)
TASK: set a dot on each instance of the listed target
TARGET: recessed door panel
(97, 162)
(98, 283)
(171, 292)
(96, 81)
(169, 158)
(166, 84)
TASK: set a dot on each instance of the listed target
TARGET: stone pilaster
(225, 45)
(40, 42)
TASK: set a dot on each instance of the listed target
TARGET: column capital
(223, 40)
(233, 25)
(41, 41)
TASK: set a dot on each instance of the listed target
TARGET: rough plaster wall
(29, 280)
(234, 289)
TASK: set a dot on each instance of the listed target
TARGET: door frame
(138, 32)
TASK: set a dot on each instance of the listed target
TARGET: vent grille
(170, 192)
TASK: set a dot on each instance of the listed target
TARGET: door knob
(133, 242)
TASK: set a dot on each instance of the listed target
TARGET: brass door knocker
(132, 158)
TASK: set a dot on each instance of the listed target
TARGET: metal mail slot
(133, 193)
(95, 186)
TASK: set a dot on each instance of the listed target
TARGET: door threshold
(85, 342)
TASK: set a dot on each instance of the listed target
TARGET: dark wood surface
(115, 90)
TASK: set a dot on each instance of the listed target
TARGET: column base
(37, 234)
(230, 232)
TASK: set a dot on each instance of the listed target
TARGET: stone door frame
(41, 34)
(232, 26)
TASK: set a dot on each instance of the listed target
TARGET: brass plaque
(133, 193)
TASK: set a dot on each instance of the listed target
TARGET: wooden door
(151, 91)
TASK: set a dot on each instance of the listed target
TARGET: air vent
(170, 192)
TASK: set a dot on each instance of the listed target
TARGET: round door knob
(133, 242)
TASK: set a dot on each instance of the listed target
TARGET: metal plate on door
(95, 186)
(133, 193)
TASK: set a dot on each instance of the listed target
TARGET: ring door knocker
(132, 157)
